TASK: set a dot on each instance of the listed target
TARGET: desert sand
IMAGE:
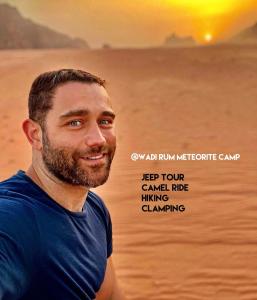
(191, 100)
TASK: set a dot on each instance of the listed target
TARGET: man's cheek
(112, 140)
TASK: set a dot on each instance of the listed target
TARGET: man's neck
(70, 197)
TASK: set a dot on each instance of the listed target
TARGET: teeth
(95, 157)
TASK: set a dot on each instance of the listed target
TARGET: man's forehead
(76, 91)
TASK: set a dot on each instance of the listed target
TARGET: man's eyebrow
(108, 113)
(75, 112)
(85, 112)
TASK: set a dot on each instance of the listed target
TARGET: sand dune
(198, 100)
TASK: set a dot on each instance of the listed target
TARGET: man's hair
(44, 86)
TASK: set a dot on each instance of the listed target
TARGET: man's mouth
(94, 157)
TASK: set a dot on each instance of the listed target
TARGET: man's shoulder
(18, 187)
(15, 207)
(103, 215)
(16, 182)
(95, 199)
(98, 205)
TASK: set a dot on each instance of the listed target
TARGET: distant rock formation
(176, 41)
(247, 36)
(106, 46)
(17, 32)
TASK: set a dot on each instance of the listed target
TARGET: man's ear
(33, 133)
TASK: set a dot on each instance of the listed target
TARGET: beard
(66, 165)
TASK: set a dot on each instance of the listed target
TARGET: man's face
(78, 137)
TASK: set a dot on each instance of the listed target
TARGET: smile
(95, 157)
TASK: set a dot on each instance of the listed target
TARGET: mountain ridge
(248, 35)
(17, 32)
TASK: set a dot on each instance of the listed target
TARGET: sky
(141, 23)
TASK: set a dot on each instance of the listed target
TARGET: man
(55, 234)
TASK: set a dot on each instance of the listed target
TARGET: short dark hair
(44, 86)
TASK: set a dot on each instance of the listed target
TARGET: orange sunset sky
(141, 23)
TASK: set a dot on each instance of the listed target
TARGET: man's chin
(97, 176)
(93, 183)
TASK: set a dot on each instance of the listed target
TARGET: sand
(199, 100)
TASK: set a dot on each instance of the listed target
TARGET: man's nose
(94, 136)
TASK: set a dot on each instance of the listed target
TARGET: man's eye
(105, 122)
(75, 123)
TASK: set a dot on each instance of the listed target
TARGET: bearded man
(56, 234)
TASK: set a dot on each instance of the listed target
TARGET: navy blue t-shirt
(46, 251)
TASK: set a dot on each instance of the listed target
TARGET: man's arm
(109, 289)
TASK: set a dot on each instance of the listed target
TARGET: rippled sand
(200, 100)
